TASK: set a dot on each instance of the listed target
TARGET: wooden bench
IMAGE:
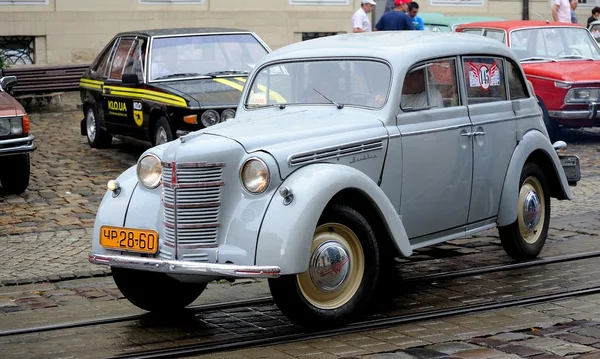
(44, 82)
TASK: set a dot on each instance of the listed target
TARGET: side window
(119, 59)
(135, 59)
(484, 79)
(102, 64)
(516, 83)
(472, 31)
(495, 34)
(433, 84)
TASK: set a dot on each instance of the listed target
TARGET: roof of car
(398, 47)
(509, 25)
(181, 31)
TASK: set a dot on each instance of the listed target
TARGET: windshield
(337, 82)
(190, 56)
(554, 44)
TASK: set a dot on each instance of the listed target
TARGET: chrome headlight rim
(157, 181)
(267, 180)
(204, 116)
(224, 117)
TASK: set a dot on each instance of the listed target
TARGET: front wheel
(342, 272)
(162, 132)
(155, 292)
(96, 136)
(525, 237)
(15, 174)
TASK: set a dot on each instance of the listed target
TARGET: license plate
(570, 165)
(129, 239)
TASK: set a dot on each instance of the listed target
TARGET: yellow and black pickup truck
(156, 85)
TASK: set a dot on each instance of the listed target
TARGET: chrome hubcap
(161, 136)
(532, 210)
(91, 125)
(329, 266)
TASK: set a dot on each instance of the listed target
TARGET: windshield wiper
(537, 58)
(338, 105)
(225, 72)
(180, 74)
(575, 56)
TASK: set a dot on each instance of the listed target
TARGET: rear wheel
(342, 272)
(96, 136)
(155, 292)
(15, 172)
(525, 237)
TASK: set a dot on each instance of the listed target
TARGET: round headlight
(209, 118)
(149, 171)
(227, 115)
(255, 175)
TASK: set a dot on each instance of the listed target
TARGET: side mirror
(7, 82)
(130, 78)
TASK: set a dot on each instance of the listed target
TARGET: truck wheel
(341, 276)
(155, 292)
(15, 177)
(97, 137)
(162, 132)
(525, 238)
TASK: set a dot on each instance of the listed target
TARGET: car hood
(291, 131)
(568, 71)
(8, 105)
(224, 91)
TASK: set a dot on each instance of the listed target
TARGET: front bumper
(185, 267)
(590, 114)
(17, 145)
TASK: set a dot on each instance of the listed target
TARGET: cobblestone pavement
(45, 232)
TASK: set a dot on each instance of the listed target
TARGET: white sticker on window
(484, 76)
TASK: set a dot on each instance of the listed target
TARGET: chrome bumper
(17, 145)
(185, 267)
(590, 113)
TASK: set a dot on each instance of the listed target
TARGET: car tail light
(25, 125)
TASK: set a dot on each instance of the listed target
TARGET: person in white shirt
(360, 19)
(561, 10)
(414, 94)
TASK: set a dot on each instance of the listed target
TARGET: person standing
(360, 19)
(561, 11)
(413, 10)
(594, 17)
(397, 19)
(573, 4)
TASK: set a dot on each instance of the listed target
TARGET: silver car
(346, 152)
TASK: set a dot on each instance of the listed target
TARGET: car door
(494, 131)
(436, 151)
(117, 105)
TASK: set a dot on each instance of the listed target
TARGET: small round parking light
(228, 115)
(209, 118)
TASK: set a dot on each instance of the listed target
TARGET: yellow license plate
(129, 239)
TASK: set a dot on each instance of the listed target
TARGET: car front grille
(191, 194)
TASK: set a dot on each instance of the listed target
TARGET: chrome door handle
(469, 134)
(479, 133)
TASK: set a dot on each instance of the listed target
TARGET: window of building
(23, 2)
(319, 2)
(193, 2)
(484, 79)
(430, 85)
(456, 2)
(17, 50)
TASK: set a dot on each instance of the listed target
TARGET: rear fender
(287, 230)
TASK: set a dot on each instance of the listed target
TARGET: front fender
(286, 232)
(532, 141)
(113, 210)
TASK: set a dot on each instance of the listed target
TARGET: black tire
(96, 136)
(518, 241)
(155, 292)
(162, 127)
(15, 176)
(551, 125)
(318, 309)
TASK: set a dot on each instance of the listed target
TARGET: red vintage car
(562, 62)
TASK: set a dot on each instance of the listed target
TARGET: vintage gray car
(346, 152)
